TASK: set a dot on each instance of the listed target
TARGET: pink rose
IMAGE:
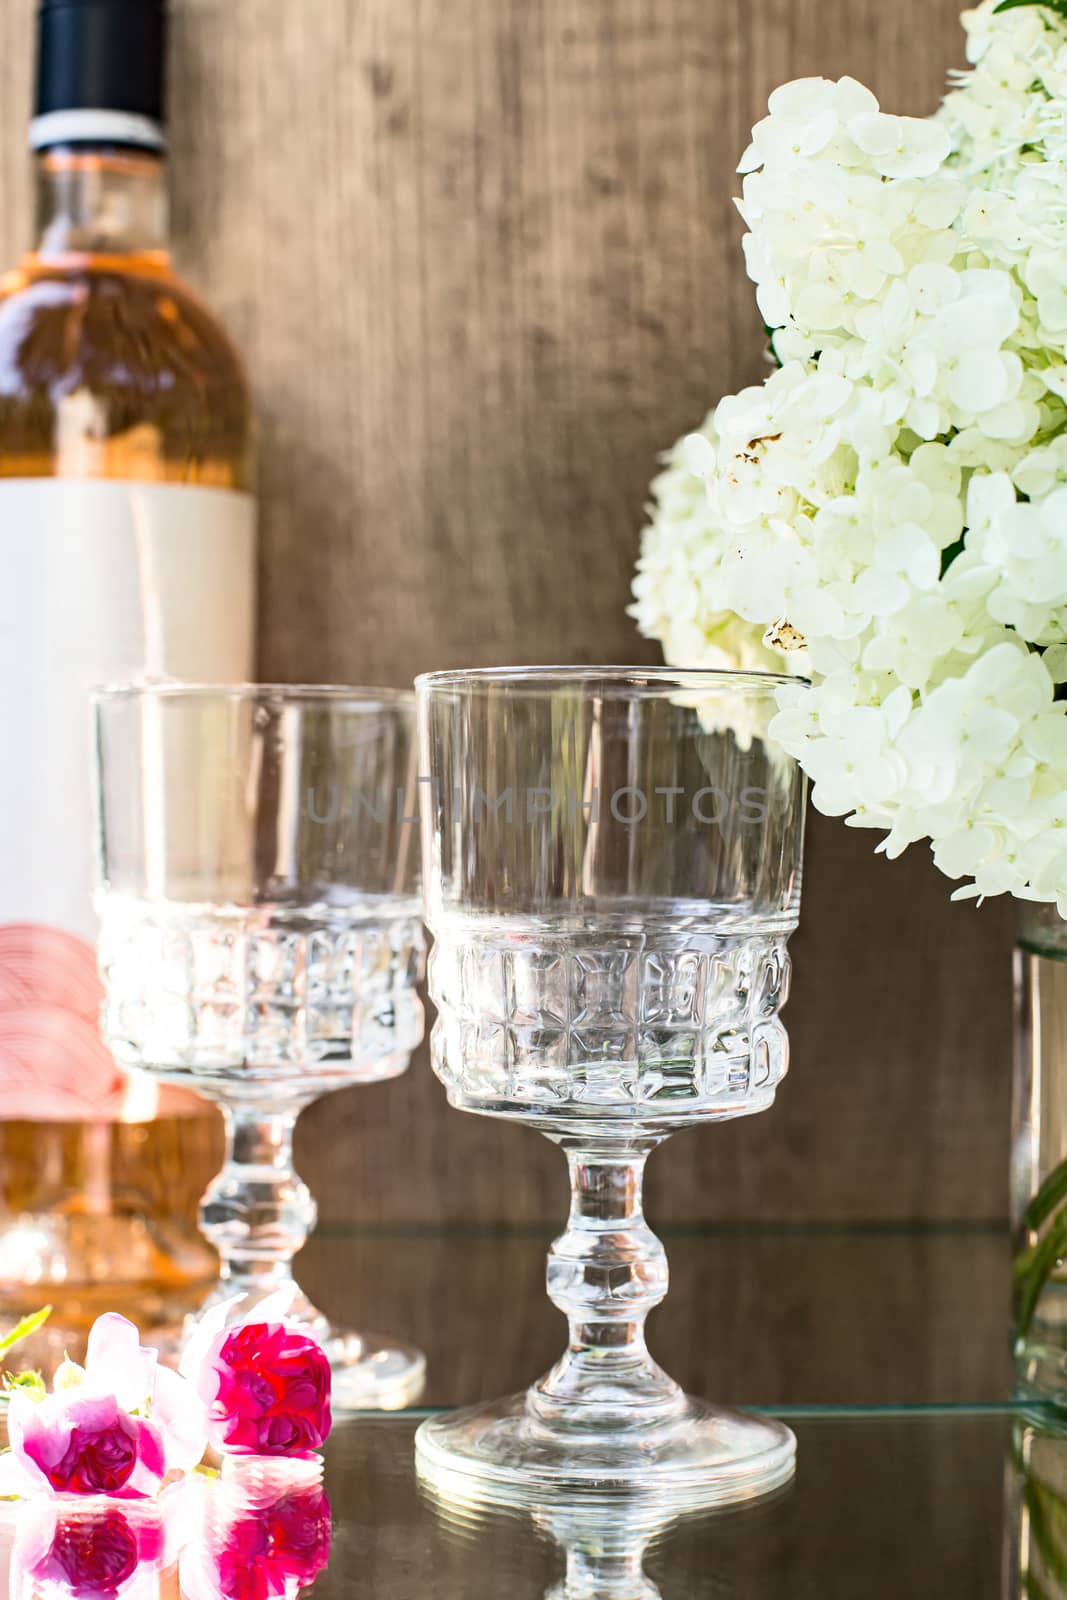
(119, 1426)
(265, 1384)
(86, 1444)
(98, 1554)
(262, 1537)
(276, 1549)
(96, 1551)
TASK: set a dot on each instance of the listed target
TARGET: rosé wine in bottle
(127, 548)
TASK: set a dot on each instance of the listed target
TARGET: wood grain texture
(755, 1316)
(482, 259)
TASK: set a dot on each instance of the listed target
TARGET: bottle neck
(102, 201)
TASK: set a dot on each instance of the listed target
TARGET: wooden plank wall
(482, 260)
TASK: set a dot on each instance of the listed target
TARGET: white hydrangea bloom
(677, 579)
(893, 499)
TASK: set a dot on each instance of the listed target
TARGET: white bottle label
(100, 582)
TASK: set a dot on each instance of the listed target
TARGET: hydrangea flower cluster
(887, 512)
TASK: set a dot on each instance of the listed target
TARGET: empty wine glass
(261, 941)
(611, 866)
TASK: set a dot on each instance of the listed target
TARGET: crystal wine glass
(261, 942)
(611, 868)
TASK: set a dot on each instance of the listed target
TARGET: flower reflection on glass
(96, 1551)
(265, 1385)
(118, 1426)
(258, 1533)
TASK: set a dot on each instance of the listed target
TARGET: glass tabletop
(885, 1349)
(954, 1504)
(945, 1503)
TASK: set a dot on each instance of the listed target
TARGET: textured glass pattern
(259, 993)
(690, 1024)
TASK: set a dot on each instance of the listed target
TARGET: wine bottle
(126, 550)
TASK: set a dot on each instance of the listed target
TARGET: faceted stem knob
(606, 1273)
(257, 1211)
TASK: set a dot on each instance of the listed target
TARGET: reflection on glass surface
(885, 1506)
(949, 1504)
(260, 1530)
(99, 1549)
(1035, 1528)
(603, 1538)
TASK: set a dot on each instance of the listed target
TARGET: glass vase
(1039, 1155)
(1035, 1509)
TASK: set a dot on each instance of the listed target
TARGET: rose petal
(179, 1415)
(117, 1363)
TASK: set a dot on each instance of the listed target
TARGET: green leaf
(1034, 1589)
(1048, 1528)
(1032, 1269)
(23, 1329)
(951, 551)
(1058, 6)
(1051, 1193)
(30, 1383)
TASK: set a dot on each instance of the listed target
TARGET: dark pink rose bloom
(87, 1444)
(97, 1553)
(259, 1539)
(278, 1549)
(266, 1388)
(118, 1426)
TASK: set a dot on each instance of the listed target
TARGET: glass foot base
(370, 1373)
(701, 1456)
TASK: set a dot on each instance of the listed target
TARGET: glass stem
(608, 1576)
(605, 1273)
(257, 1212)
